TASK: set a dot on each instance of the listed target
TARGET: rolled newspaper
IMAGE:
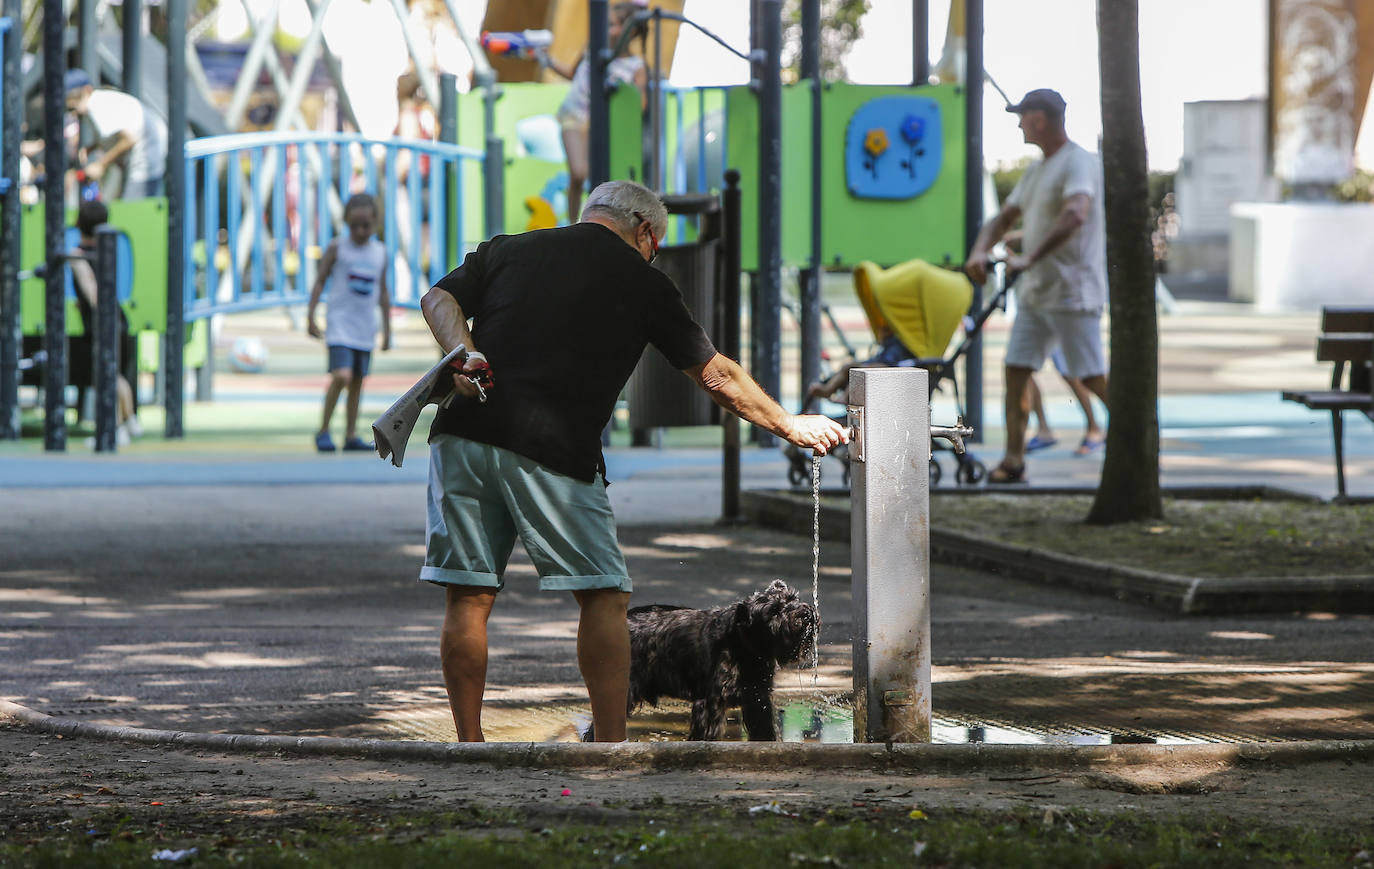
(391, 431)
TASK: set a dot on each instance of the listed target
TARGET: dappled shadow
(1213, 702)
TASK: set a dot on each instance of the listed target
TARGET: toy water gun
(523, 43)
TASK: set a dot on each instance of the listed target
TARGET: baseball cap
(75, 79)
(1044, 99)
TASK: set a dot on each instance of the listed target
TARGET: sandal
(1039, 443)
(1087, 447)
(1004, 474)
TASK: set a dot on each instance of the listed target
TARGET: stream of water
(815, 561)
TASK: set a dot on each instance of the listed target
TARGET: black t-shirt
(563, 316)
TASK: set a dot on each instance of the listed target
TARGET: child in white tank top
(354, 268)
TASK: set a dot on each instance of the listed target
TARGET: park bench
(1347, 342)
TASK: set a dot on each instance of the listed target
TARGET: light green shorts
(481, 497)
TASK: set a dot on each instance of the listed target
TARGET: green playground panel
(929, 226)
(518, 100)
(627, 147)
(145, 222)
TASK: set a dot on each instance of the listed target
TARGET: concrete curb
(657, 756)
(1185, 595)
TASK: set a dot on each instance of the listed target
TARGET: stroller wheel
(970, 472)
(936, 472)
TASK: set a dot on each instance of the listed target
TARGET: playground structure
(886, 179)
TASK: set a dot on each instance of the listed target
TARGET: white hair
(625, 202)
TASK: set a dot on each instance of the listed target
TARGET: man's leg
(1017, 411)
(603, 654)
(463, 652)
(1084, 395)
(1036, 403)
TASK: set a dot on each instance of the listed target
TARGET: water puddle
(814, 719)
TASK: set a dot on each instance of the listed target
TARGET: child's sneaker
(324, 443)
(357, 444)
(134, 427)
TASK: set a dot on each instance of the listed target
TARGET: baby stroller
(913, 309)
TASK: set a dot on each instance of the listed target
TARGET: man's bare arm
(990, 233)
(450, 328)
(733, 389)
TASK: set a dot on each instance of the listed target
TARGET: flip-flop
(1039, 443)
(1004, 474)
(1087, 447)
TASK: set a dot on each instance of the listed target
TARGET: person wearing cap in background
(129, 134)
(1062, 284)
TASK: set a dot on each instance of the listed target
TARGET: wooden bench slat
(1348, 318)
(1345, 347)
(1330, 399)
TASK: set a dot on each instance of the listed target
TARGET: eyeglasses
(653, 239)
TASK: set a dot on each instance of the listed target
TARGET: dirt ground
(51, 786)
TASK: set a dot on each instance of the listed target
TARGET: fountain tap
(955, 434)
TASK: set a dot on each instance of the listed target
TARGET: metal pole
(920, 42)
(133, 48)
(335, 69)
(105, 331)
(87, 37)
(769, 375)
(811, 278)
(448, 132)
(730, 451)
(54, 193)
(11, 336)
(889, 453)
(174, 360)
(599, 131)
(656, 107)
(252, 66)
(493, 186)
(973, 198)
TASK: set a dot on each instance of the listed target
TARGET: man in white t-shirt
(129, 135)
(1062, 284)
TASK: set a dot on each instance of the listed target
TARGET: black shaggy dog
(721, 657)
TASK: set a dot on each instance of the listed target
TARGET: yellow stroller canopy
(920, 303)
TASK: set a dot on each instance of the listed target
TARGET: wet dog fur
(721, 657)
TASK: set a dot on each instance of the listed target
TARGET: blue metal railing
(294, 186)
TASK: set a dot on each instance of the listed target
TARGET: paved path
(238, 582)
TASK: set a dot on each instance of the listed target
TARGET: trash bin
(659, 395)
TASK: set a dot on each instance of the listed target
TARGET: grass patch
(725, 838)
(1196, 538)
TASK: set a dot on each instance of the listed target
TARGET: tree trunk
(1129, 488)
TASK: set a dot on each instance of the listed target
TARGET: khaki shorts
(1035, 334)
(481, 497)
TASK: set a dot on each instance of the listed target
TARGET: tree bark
(1129, 487)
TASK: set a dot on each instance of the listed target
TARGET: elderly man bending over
(559, 320)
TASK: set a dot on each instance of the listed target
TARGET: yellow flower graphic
(875, 142)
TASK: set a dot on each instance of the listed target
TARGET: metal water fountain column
(889, 454)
